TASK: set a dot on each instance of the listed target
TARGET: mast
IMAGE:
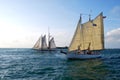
(102, 31)
(92, 34)
(80, 21)
(82, 35)
(81, 32)
(89, 17)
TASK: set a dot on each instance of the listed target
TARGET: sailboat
(41, 44)
(88, 39)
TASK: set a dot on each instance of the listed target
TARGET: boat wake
(61, 56)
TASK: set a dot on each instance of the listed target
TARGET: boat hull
(83, 56)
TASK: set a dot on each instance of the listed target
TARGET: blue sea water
(28, 64)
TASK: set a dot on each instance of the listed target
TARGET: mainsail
(91, 32)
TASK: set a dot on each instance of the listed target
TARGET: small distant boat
(88, 39)
(41, 44)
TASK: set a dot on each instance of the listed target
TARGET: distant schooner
(88, 39)
(41, 44)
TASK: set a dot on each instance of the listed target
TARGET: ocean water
(28, 64)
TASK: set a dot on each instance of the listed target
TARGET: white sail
(41, 44)
(52, 44)
(44, 44)
(91, 32)
(37, 44)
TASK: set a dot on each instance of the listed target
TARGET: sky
(22, 22)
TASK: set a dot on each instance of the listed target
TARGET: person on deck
(88, 51)
(79, 50)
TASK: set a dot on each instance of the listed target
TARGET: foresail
(76, 40)
(52, 44)
(37, 44)
(93, 33)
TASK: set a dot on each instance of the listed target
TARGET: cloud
(112, 38)
(116, 11)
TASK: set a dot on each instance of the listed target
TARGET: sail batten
(90, 32)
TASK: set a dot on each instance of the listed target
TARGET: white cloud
(112, 38)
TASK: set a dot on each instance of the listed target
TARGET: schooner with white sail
(41, 44)
(88, 39)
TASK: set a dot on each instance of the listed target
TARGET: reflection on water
(85, 69)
